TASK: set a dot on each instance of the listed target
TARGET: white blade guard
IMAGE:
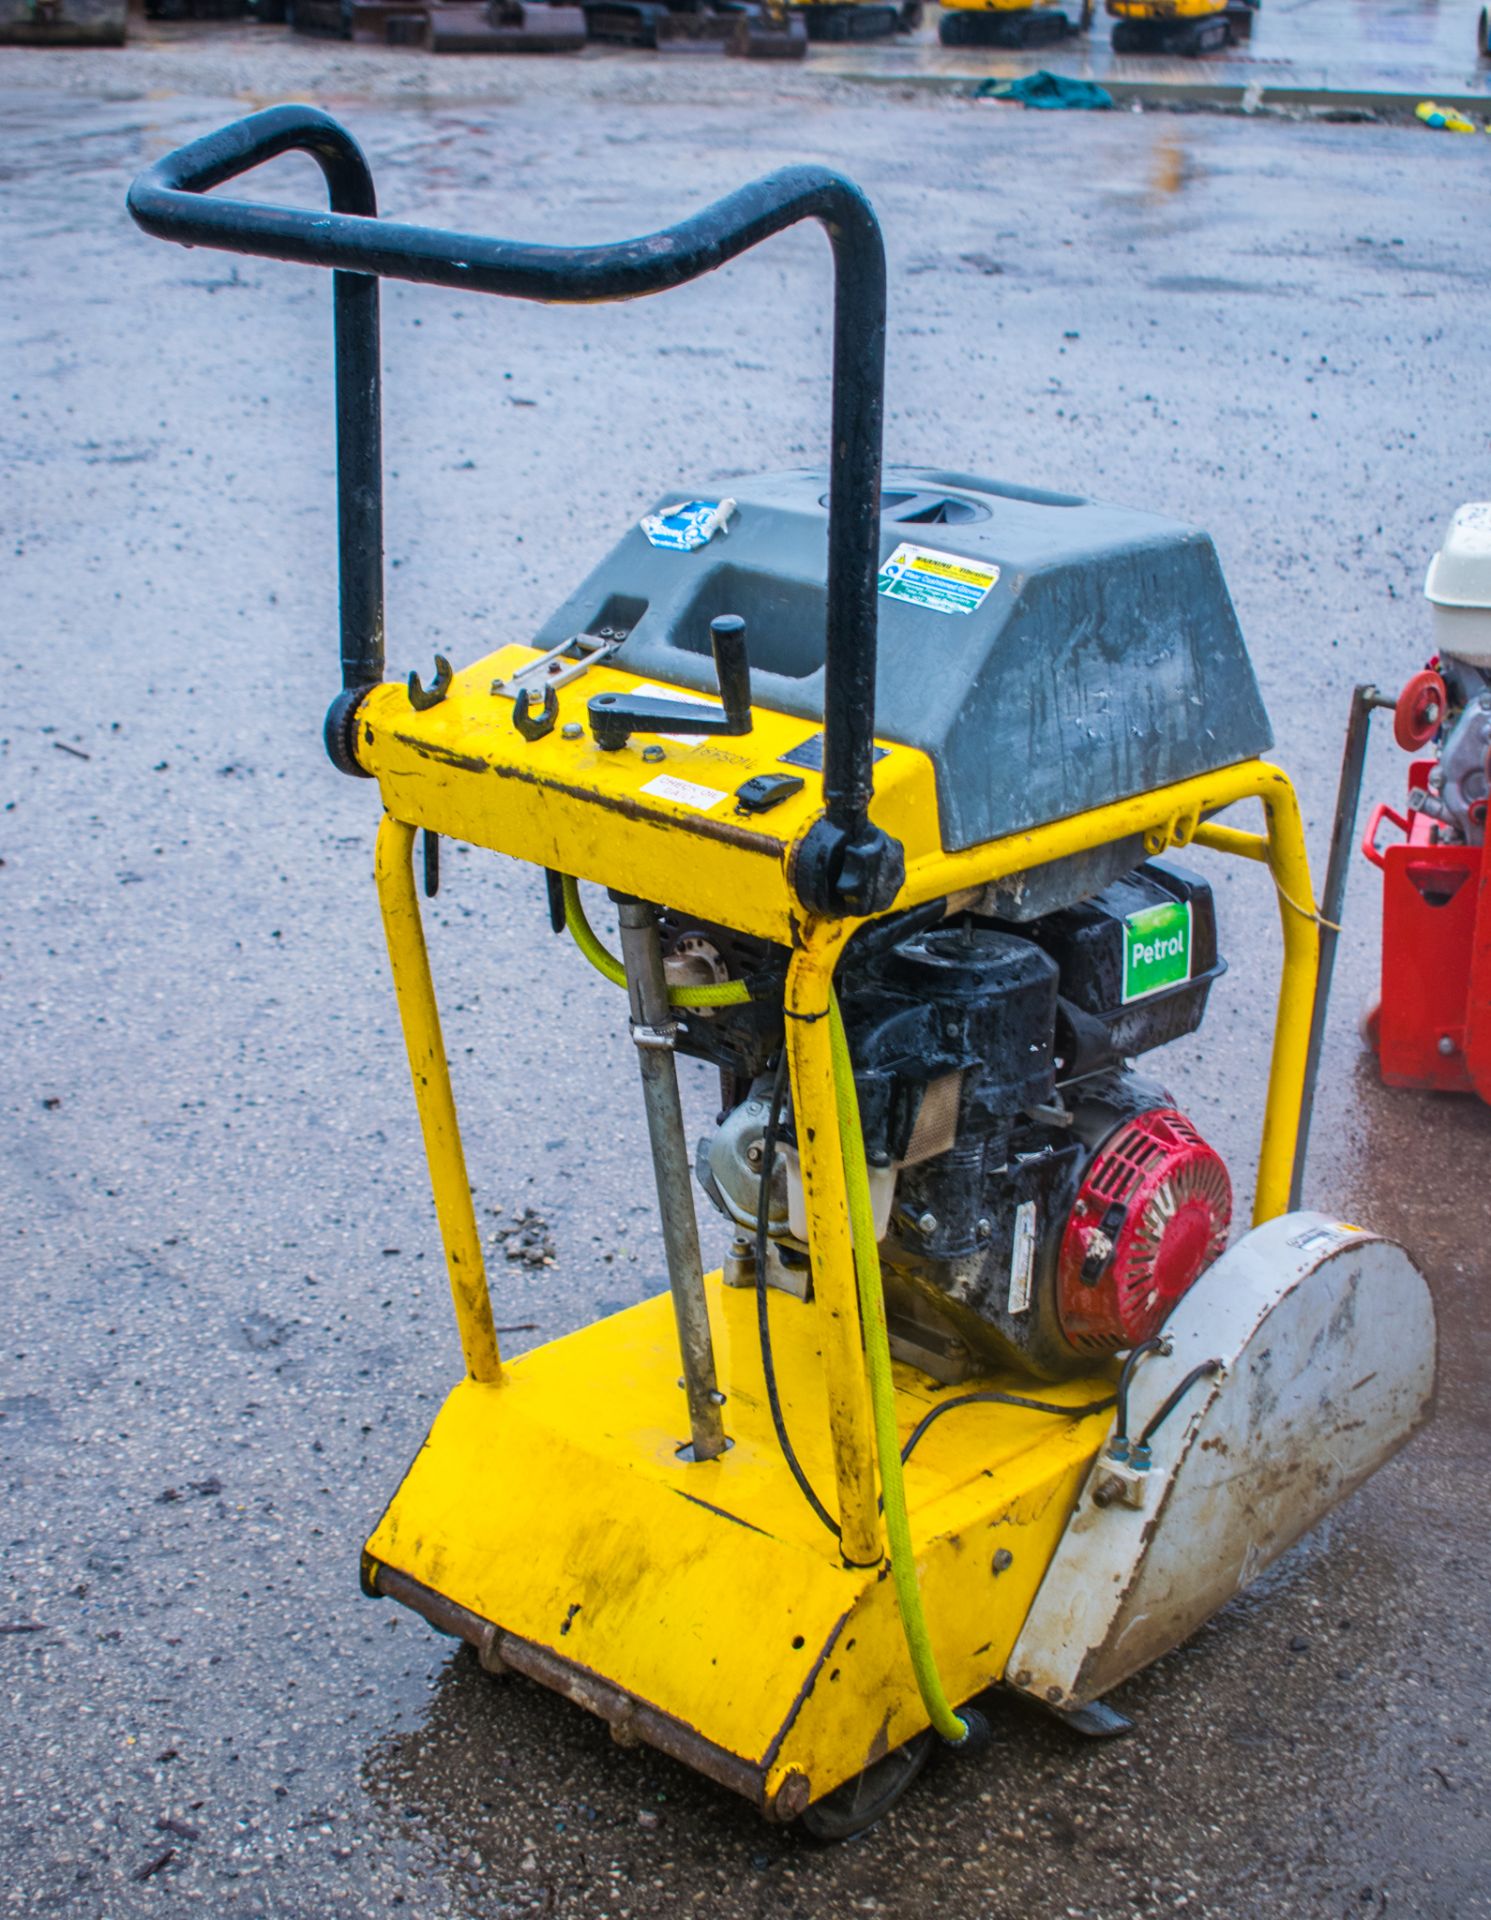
(1326, 1338)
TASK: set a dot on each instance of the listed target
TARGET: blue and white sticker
(694, 524)
(944, 582)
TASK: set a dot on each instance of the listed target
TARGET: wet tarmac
(227, 1327)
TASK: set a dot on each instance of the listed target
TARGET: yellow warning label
(944, 582)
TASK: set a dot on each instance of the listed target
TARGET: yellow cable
(883, 1392)
(724, 993)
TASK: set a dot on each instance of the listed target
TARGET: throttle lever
(615, 717)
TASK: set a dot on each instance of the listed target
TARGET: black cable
(1125, 1380)
(763, 1321)
(1078, 1412)
(1206, 1368)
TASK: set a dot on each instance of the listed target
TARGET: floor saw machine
(883, 772)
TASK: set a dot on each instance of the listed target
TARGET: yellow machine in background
(1009, 23)
(1180, 26)
(879, 770)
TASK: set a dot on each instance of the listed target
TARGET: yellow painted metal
(825, 1196)
(1247, 846)
(556, 1507)
(1002, 6)
(462, 769)
(410, 964)
(554, 1504)
(1165, 9)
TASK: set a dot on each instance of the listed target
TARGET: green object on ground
(1053, 92)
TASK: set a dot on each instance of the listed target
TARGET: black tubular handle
(848, 865)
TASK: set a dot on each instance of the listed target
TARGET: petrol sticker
(1022, 1257)
(692, 524)
(1156, 949)
(945, 582)
(684, 793)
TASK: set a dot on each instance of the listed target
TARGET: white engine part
(1326, 1337)
(882, 1184)
(1458, 586)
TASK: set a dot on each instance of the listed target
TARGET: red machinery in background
(1432, 1025)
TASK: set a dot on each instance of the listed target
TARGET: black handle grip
(170, 201)
(732, 669)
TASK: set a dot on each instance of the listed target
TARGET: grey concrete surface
(226, 1324)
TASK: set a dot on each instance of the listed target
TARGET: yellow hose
(883, 1392)
(724, 993)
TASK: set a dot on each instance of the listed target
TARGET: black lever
(615, 717)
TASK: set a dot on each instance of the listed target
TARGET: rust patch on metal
(629, 809)
(445, 756)
(603, 1698)
(792, 1796)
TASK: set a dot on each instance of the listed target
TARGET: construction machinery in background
(1180, 26)
(63, 23)
(749, 29)
(758, 29)
(1430, 1026)
(882, 771)
(438, 26)
(1009, 23)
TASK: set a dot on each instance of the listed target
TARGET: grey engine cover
(1106, 660)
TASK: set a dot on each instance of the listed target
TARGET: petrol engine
(1038, 1200)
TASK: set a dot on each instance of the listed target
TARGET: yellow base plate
(704, 1607)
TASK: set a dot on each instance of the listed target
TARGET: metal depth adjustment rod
(844, 864)
(615, 717)
(653, 1029)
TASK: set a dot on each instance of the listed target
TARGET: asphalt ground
(226, 1321)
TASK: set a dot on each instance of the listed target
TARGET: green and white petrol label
(945, 582)
(1156, 949)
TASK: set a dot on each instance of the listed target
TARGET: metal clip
(533, 726)
(422, 698)
(660, 1037)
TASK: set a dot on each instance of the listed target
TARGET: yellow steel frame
(1165, 9)
(592, 816)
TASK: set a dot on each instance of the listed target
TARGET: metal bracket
(422, 698)
(560, 664)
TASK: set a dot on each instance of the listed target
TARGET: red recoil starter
(1150, 1217)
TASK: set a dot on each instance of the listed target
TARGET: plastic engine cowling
(1150, 1217)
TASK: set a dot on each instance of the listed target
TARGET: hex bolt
(754, 1154)
(1002, 1559)
(984, 1228)
(927, 1225)
(652, 753)
(571, 730)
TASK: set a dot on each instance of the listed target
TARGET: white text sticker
(1022, 1257)
(684, 793)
